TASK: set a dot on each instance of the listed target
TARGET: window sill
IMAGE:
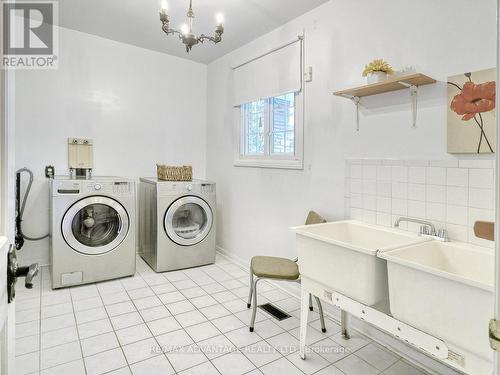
(270, 163)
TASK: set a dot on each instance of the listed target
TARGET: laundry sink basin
(341, 256)
(445, 289)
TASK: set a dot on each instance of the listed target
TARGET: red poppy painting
(471, 112)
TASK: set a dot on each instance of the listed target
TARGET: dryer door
(95, 225)
(188, 220)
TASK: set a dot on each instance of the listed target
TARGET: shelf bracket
(356, 100)
(414, 101)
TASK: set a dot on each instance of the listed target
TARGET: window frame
(269, 159)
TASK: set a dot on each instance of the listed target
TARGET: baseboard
(410, 354)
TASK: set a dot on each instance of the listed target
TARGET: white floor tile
(377, 356)
(133, 283)
(242, 337)
(120, 308)
(156, 365)
(121, 371)
(83, 292)
(216, 346)
(402, 368)
(133, 334)
(73, 368)
(97, 344)
(356, 341)
(204, 369)
(215, 311)
(213, 288)
(233, 363)
(190, 318)
(95, 328)
(285, 343)
(261, 353)
(105, 362)
(27, 363)
(203, 301)
(58, 322)
(164, 288)
(313, 362)
(184, 284)
(116, 297)
(193, 292)
(55, 310)
(352, 365)
(225, 296)
(163, 325)
(59, 337)
(28, 329)
(87, 303)
(140, 350)
(90, 315)
(228, 323)
(28, 344)
(186, 357)
(126, 320)
(58, 355)
(154, 313)
(330, 370)
(140, 293)
(330, 350)
(236, 305)
(171, 297)
(173, 340)
(203, 331)
(268, 328)
(147, 302)
(181, 307)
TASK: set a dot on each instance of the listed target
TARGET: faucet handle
(443, 233)
(424, 229)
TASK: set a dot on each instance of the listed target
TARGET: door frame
(496, 369)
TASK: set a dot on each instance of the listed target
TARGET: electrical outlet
(308, 75)
(50, 171)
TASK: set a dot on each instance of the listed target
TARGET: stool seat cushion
(274, 268)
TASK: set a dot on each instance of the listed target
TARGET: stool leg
(254, 310)
(249, 303)
(321, 316)
(311, 308)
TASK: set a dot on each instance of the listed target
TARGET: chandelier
(186, 34)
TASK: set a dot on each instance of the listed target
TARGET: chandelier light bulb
(184, 28)
(220, 18)
(164, 6)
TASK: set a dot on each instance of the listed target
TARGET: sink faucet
(441, 235)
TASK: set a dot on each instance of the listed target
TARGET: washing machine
(176, 223)
(92, 230)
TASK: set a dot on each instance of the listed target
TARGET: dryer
(176, 223)
(92, 230)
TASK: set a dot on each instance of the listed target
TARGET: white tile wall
(452, 194)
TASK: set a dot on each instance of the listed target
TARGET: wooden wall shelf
(391, 84)
(408, 81)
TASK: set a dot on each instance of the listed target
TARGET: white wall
(256, 206)
(140, 107)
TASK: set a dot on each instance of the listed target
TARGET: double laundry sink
(442, 288)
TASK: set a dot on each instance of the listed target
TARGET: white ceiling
(137, 21)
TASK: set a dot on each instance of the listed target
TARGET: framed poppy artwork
(472, 112)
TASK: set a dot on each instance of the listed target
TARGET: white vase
(376, 77)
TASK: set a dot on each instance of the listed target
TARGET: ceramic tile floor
(183, 322)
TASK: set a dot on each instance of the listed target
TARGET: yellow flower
(377, 65)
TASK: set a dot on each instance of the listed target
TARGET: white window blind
(273, 74)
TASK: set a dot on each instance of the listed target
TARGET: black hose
(23, 205)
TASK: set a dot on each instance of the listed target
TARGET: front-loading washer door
(188, 220)
(95, 225)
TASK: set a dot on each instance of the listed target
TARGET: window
(269, 133)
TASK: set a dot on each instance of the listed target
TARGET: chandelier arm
(216, 39)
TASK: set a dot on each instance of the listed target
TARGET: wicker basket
(169, 173)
